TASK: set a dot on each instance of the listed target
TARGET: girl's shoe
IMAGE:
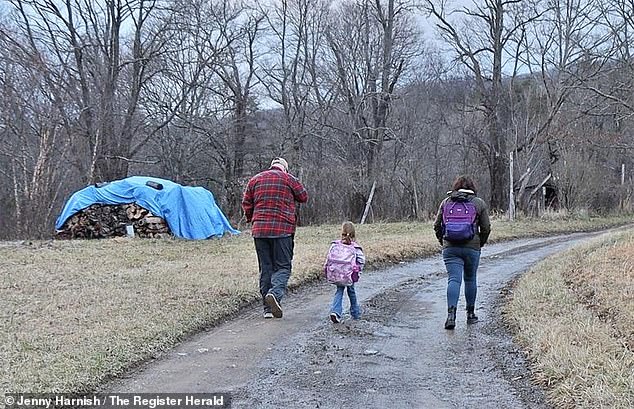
(335, 318)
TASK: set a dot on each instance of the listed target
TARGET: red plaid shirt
(269, 203)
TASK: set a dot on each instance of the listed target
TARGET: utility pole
(511, 193)
(622, 201)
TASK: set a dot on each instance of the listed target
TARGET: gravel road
(397, 356)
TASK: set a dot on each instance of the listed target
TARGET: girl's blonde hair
(347, 233)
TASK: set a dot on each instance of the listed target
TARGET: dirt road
(397, 356)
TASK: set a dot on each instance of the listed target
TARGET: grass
(76, 313)
(574, 313)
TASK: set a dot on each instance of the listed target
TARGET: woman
(462, 227)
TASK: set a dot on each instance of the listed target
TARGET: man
(269, 203)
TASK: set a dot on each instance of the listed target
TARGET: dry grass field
(574, 314)
(76, 313)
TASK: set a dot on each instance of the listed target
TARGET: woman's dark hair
(464, 182)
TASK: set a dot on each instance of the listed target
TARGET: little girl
(347, 237)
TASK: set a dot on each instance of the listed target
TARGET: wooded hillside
(353, 93)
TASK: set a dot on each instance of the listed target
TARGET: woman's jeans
(461, 262)
(337, 302)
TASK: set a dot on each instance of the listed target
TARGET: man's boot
(451, 318)
(471, 317)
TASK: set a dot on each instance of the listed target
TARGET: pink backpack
(341, 264)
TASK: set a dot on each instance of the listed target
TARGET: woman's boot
(471, 317)
(451, 318)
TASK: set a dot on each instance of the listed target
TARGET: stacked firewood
(102, 221)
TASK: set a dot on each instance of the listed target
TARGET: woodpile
(102, 221)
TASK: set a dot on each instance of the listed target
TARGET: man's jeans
(461, 262)
(337, 302)
(275, 256)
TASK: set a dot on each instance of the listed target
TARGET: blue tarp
(190, 212)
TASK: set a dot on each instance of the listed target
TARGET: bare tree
(481, 36)
(31, 146)
(180, 100)
(373, 42)
(206, 86)
(293, 69)
(81, 49)
(614, 83)
(239, 28)
(555, 47)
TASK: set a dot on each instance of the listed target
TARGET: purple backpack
(341, 264)
(458, 220)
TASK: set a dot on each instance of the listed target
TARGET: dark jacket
(482, 220)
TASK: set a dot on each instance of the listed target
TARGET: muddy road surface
(397, 356)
